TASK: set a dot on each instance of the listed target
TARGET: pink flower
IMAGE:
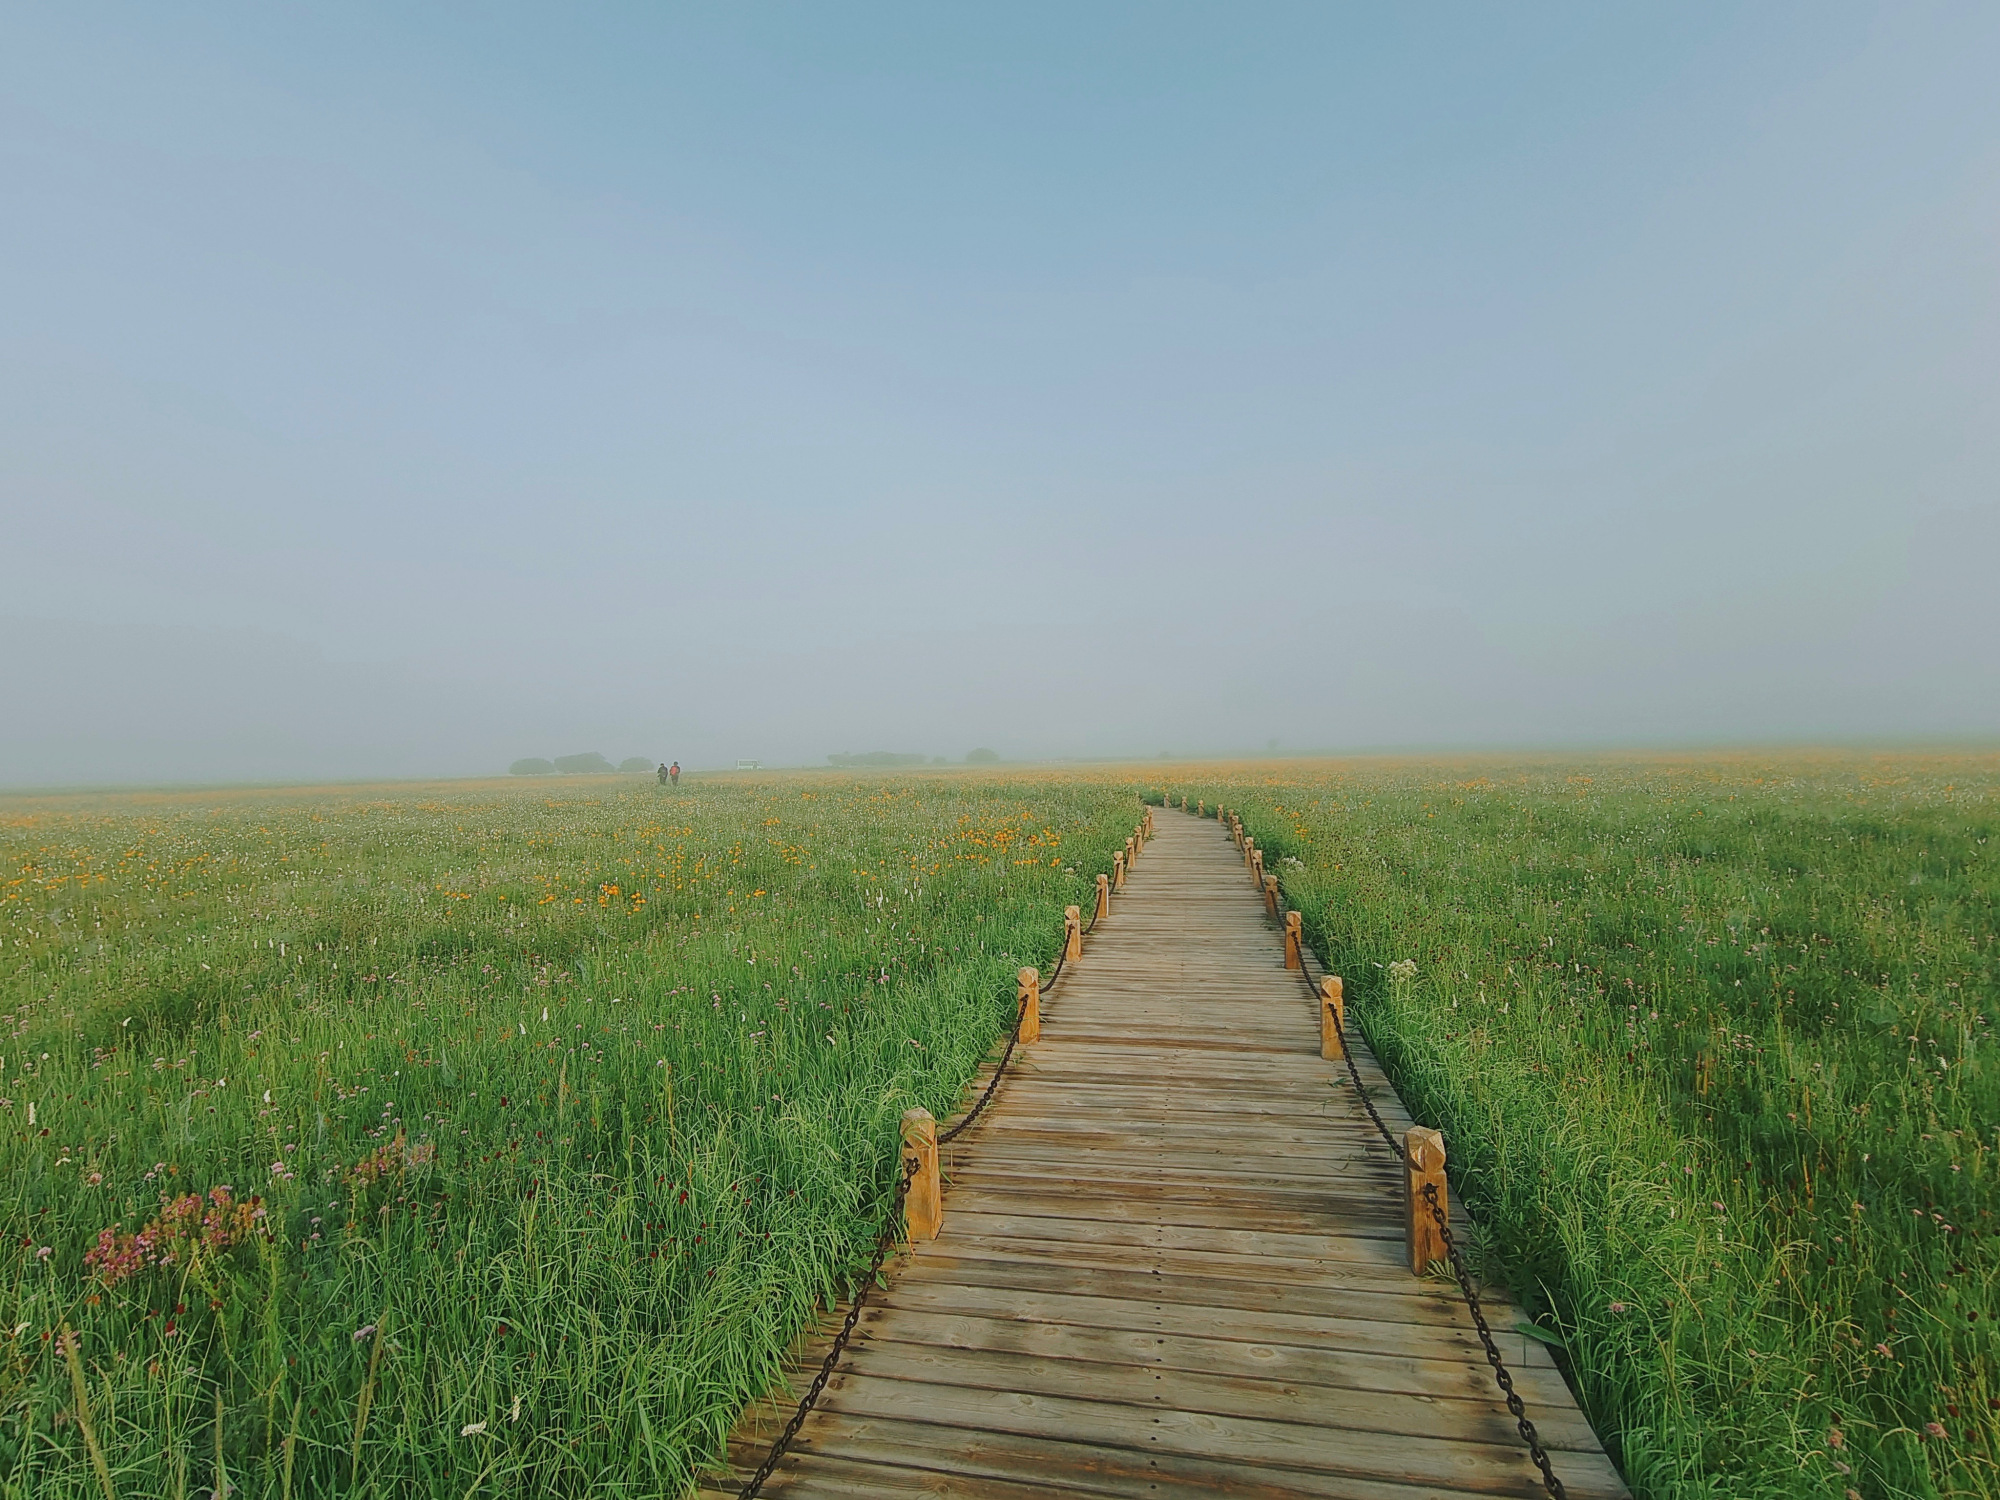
(1935, 1429)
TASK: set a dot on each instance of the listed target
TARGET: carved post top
(1423, 1149)
(1030, 979)
(1270, 882)
(1293, 921)
(919, 1127)
(1075, 913)
(1331, 988)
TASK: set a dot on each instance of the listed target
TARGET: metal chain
(887, 1239)
(1458, 1266)
(1506, 1381)
(991, 1084)
(883, 1244)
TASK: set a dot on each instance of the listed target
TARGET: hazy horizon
(397, 395)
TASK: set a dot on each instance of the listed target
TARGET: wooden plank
(1461, 1463)
(883, 1444)
(1350, 1329)
(1462, 1415)
(1447, 1374)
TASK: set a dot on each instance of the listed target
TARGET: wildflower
(1403, 970)
(1885, 1351)
(472, 1429)
(1835, 1438)
(1934, 1429)
(364, 1332)
(1618, 1307)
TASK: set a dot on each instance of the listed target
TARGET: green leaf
(1535, 1331)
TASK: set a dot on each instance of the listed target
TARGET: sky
(399, 391)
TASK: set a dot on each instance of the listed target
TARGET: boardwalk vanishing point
(1172, 1261)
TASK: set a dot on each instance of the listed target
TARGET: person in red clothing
(674, 773)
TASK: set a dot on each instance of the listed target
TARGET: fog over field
(386, 393)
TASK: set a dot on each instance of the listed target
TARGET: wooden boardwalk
(1171, 1262)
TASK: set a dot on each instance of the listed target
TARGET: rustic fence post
(1103, 898)
(1118, 872)
(1332, 1017)
(1200, 807)
(1257, 868)
(1249, 853)
(1073, 924)
(1030, 995)
(1271, 896)
(1293, 941)
(1131, 850)
(1423, 1163)
(923, 1208)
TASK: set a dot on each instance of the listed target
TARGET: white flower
(1403, 970)
(472, 1429)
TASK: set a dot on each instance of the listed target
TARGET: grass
(1712, 1045)
(502, 1137)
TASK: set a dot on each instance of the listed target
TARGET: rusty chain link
(883, 1243)
(1459, 1268)
(886, 1241)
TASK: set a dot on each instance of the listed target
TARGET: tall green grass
(564, 1107)
(1712, 1046)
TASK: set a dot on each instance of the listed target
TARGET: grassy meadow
(1711, 1042)
(476, 1139)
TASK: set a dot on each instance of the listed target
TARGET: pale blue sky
(397, 392)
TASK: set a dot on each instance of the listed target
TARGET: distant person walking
(663, 773)
(674, 773)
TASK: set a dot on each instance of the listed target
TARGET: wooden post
(1249, 853)
(1423, 1164)
(923, 1209)
(1271, 896)
(1257, 868)
(1293, 959)
(1118, 872)
(1073, 919)
(1103, 898)
(1200, 807)
(1332, 1016)
(1030, 995)
(1131, 850)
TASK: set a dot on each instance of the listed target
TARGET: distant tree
(583, 765)
(939, 760)
(982, 757)
(635, 763)
(877, 758)
(532, 766)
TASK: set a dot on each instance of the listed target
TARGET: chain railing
(885, 1242)
(1460, 1270)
